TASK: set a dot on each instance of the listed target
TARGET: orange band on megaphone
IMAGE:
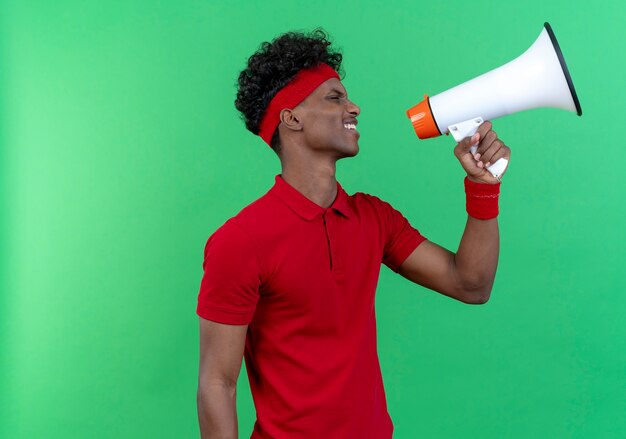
(423, 120)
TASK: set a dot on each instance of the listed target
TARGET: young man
(289, 282)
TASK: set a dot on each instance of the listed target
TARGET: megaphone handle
(468, 128)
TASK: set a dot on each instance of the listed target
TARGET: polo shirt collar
(304, 207)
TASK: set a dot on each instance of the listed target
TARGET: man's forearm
(476, 260)
(217, 411)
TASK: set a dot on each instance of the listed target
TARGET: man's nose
(353, 108)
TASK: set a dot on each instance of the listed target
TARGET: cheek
(320, 125)
(324, 124)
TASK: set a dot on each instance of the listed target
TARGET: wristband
(481, 199)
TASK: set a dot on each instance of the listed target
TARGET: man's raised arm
(469, 274)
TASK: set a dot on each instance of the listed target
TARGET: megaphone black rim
(559, 54)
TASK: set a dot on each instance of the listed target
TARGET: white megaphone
(537, 78)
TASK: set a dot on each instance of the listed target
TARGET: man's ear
(290, 119)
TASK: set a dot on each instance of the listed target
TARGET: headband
(302, 85)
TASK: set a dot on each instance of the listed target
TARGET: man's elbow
(482, 298)
(217, 409)
(477, 294)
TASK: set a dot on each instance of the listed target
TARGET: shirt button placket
(328, 239)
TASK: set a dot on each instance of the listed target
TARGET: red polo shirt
(303, 278)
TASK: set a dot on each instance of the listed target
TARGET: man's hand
(490, 150)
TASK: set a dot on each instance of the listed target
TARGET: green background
(121, 152)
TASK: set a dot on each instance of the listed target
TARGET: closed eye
(337, 98)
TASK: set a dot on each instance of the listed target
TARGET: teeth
(350, 126)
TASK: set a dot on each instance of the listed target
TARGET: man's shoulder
(361, 200)
(373, 206)
(252, 217)
(363, 196)
(260, 209)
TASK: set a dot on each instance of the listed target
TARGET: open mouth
(351, 127)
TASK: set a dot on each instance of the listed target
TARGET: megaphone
(537, 78)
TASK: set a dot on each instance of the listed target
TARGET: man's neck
(317, 183)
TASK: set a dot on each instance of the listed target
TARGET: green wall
(121, 152)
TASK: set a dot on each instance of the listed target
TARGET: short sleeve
(400, 237)
(229, 289)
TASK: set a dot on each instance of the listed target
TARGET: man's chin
(341, 151)
(349, 152)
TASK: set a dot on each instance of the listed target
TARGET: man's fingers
(484, 128)
(489, 149)
(486, 142)
(490, 154)
(504, 152)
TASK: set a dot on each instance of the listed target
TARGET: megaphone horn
(537, 78)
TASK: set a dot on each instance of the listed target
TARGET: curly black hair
(273, 65)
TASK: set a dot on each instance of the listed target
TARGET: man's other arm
(221, 353)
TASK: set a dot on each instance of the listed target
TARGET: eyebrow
(338, 91)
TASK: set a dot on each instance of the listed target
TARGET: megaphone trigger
(468, 128)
